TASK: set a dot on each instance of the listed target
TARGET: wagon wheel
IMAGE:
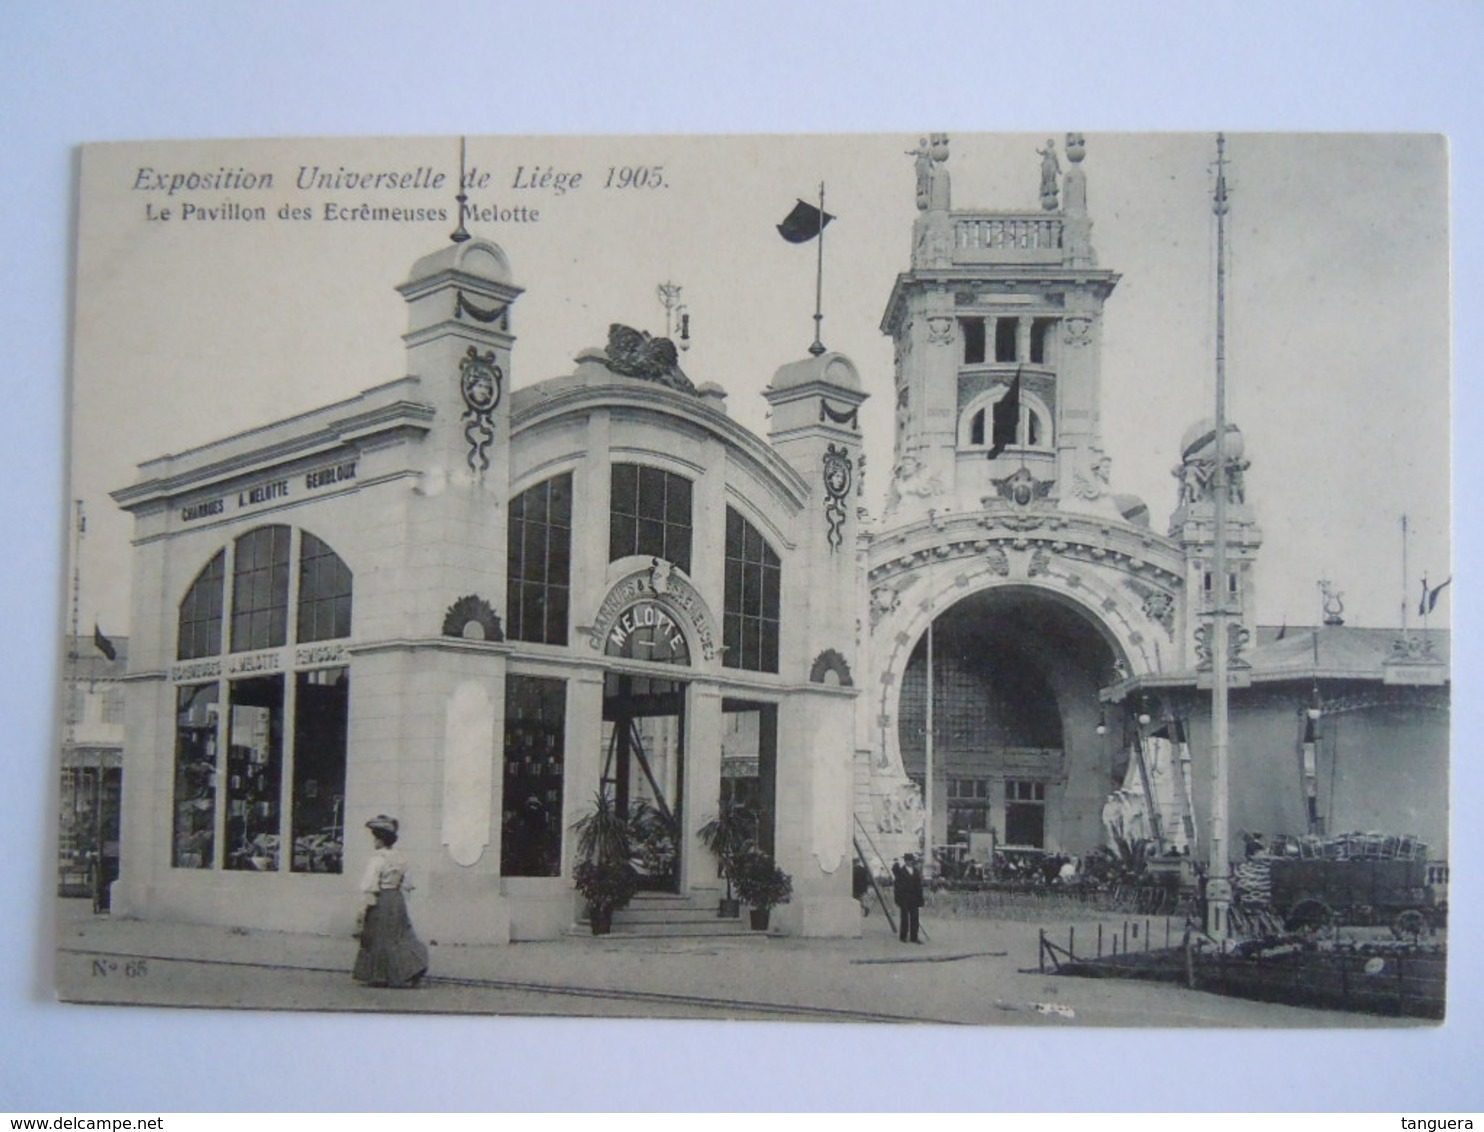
(1409, 925)
(1309, 916)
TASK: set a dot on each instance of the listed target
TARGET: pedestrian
(391, 955)
(860, 885)
(906, 891)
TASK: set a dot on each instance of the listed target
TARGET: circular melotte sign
(647, 631)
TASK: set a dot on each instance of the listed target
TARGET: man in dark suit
(906, 892)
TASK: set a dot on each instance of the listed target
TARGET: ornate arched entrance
(1018, 758)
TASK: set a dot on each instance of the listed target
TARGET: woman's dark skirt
(391, 955)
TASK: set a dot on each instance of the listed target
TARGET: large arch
(1018, 757)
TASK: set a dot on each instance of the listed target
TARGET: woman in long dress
(391, 955)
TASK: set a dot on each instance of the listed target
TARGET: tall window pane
(200, 630)
(650, 514)
(535, 723)
(193, 842)
(539, 562)
(260, 589)
(751, 598)
(254, 770)
(324, 592)
(321, 724)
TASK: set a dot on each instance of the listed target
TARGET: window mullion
(290, 706)
(223, 710)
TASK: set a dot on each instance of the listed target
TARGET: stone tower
(993, 298)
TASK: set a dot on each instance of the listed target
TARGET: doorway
(644, 770)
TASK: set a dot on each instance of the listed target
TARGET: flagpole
(817, 347)
(927, 791)
(1406, 581)
(1218, 883)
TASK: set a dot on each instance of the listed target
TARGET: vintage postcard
(997, 579)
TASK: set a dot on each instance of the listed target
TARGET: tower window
(1005, 330)
(976, 428)
(1040, 335)
(973, 335)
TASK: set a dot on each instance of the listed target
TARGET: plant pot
(759, 918)
(728, 909)
(601, 921)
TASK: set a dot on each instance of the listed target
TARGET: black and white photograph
(741, 558)
(763, 577)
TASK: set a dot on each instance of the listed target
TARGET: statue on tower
(932, 233)
(932, 178)
(1050, 175)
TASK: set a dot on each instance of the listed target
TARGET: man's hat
(909, 856)
(382, 824)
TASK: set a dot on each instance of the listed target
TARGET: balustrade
(1019, 233)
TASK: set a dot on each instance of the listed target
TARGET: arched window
(650, 514)
(260, 589)
(324, 592)
(539, 562)
(272, 737)
(976, 427)
(750, 601)
(200, 630)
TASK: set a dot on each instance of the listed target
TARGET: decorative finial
(460, 234)
(1334, 607)
(676, 316)
(1076, 148)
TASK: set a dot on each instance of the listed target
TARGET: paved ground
(972, 972)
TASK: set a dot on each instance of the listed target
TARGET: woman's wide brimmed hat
(382, 824)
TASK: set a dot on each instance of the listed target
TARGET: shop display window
(539, 562)
(751, 599)
(193, 844)
(254, 773)
(321, 724)
(200, 630)
(650, 514)
(535, 728)
(283, 741)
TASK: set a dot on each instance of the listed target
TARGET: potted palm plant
(605, 872)
(763, 885)
(729, 836)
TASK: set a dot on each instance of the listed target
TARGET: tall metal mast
(1218, 880)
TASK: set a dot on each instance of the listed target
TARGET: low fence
(1372, 978)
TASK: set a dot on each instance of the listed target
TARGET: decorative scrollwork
(838, 475)
(479, 381)
(474, 619)
(1238, 636)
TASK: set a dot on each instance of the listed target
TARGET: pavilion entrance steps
(663, 915)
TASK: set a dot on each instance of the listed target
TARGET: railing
(1004, 232)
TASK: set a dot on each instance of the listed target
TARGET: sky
(1337, 311)
(78, 71)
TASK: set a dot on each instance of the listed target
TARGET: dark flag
(1283, 631)
(1429, 600)
(1006, 419)
(803, 223)
(103, 644)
